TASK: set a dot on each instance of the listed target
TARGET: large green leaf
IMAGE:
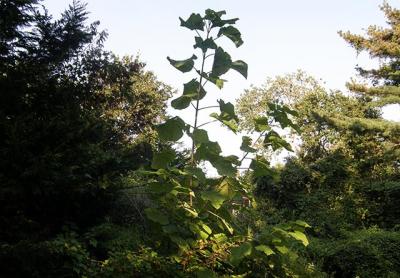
(171, 130)
(206, 228)
(213, 79)
(204, 44)
(215, 18)
(162, 159)
(231, 124)
(225, 224)
(274, 140)
(228, 110)
(232, 33)
(265, 249)
(194, 22)
(207, 150)
(215, 198)
(197, 172)
(220, 238)
(240, 67)
(227, 188)
(222, 62)
(302, 224)
(191, 91)
(181, 102)
(280, 115)
(246, 145)
(261, 124)
(240, 252)
(300, 237)
(200, 136)
(260, 168)
(156, 216)
(183, 65)
(210, 151)
(194, 90)
(224, 166)
(227, 115)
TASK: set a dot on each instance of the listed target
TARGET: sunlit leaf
(282, 249)
(191, 212)
(302, 224)
(265, 249)
(220, 238)
(215, 198)
(206, 228)
(300, 236)
(261, 124)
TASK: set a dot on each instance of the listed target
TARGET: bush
(366, 253)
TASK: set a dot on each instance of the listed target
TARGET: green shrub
(365, 253)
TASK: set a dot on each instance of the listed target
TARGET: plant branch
(198, 34)
(207, 123)
(207, 107)
(254, 143)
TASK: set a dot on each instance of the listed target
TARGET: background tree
(72, 123)
(286, 89)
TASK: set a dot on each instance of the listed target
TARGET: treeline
(93, 185)
(345, 178)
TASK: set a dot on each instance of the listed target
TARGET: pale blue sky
(279, 37)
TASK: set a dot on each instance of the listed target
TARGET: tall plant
(197, 216)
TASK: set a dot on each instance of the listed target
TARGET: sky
(279, 37)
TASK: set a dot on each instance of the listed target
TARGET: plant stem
(192, 160)
(247, 153)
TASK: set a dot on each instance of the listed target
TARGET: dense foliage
(344, 179)
(72, 116)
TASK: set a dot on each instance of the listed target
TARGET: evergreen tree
(384, 82)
